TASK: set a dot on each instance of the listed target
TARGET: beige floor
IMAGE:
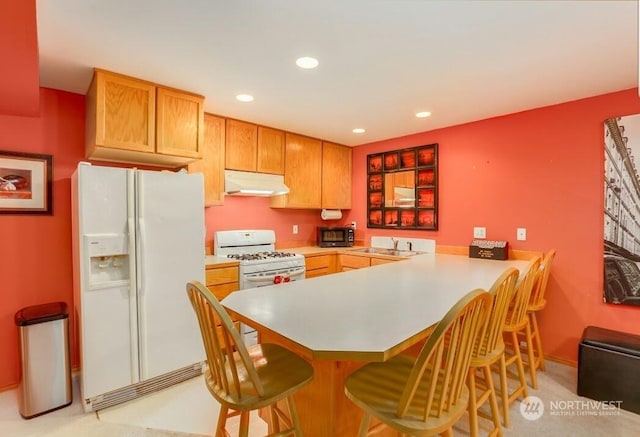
(188, 410)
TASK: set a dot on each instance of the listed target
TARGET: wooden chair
(537, 302)
(516, 322)
(244, 379)
(489, 349)
(426, 395)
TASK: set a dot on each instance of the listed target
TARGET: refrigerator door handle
(133, 278)
(133, 303)
(142, 238)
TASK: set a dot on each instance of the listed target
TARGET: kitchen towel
(331, 214)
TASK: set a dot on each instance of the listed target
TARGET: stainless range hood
(244, 183)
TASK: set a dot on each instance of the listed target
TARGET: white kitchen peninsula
(339, 322)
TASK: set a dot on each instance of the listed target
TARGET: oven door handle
(272, 277)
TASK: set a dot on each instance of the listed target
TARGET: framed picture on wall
(402, 188)
(25, 183)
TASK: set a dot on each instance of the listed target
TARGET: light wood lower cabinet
(350, 262)
(222, 280)
(319, 265)
(377, 261)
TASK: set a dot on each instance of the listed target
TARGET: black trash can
(45, 383)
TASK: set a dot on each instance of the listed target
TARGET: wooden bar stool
(489, 349)
(426, 395)
(537, 302)
(516, 322)
(244, 379)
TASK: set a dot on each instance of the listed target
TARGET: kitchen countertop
(220, 261)
(369, 313)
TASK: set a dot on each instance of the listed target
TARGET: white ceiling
(380, 60)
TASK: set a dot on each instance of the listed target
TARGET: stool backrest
(517, 314)
(501, 292)
(227, 356)
(537, 299)
(438, 376)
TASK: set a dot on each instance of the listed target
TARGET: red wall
(254, 213)
(35, 266)
(542, 170)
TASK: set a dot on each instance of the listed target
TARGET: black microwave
(335, 236)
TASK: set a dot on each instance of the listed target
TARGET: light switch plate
(479, 232)
(295, 229)
(521, 234)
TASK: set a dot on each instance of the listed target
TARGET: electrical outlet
(521, 234)
(295, 229)
(479, 232)
(353, 225)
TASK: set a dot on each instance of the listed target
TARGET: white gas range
(260, 264)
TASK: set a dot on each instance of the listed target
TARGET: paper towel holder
(331, 214)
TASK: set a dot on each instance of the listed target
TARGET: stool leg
(472, 408)
(532, 358)
(275, 421)
(222, 421)
(364, 425)
(534, 322)
(295, 420)
(244, 424)
(521, 374)
(493, 402)
(504, 389)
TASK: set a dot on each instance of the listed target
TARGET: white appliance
(138, 238)
(259, 263)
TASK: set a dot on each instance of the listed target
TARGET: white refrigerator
(138, 238)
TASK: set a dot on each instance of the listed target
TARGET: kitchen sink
(383, 251)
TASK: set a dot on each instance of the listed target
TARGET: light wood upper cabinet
(138, 122)
(212, 162)
(271, 148)
(121, 113)
(179, 123)
(302, 173)
(336, 176)
(250, 147)
(241, 145)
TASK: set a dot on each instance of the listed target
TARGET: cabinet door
(212, 162)
(350, 262)
(270, 151)
(336, 176)
(302, 173)
(179, 123)
(121, 113)
(378, 261)
(241, 145)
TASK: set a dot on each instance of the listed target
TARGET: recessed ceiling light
(244, 97)
(307, 62)
(423, 114)
(358, 130)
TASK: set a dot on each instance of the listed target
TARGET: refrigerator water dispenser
(108, 260)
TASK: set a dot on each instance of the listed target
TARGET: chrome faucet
(395, 243)
(410, 245)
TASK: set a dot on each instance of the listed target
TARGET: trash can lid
(41, 313)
